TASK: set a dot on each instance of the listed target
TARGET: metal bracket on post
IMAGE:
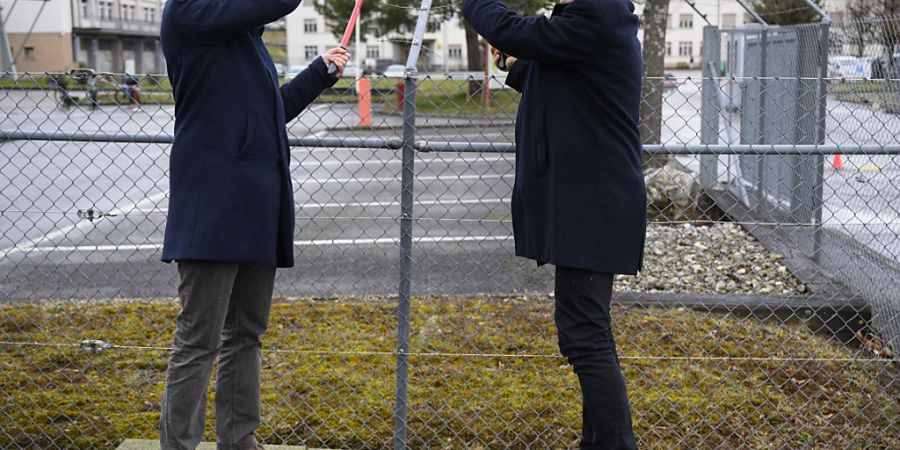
(406, 223)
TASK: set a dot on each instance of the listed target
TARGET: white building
(446, 46)
(308, 37)
(107, 35)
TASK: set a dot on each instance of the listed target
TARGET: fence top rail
(27, 80)
(393, 143)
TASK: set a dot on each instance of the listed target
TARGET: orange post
(364, 102)
(401, 88)
(838, 163)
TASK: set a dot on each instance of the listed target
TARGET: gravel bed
(720, 258)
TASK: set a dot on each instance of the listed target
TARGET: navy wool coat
(231, 197)
(579, 198)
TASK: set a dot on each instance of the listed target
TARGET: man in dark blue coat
(579, 200)
(231, 206)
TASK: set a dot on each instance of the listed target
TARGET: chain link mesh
(767, 315)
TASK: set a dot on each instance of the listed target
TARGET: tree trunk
(475, 57)
(656, 17)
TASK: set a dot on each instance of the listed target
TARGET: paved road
(348, 203)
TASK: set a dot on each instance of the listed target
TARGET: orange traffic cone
(837, 164)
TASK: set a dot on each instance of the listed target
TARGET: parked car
(382, 64)
(670, 82)
(352, 70)
(849, 67)
(883, 68)
(395, 71)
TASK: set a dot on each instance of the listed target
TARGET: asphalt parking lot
(347, 202)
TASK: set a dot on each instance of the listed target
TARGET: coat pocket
(539, 154)
(248, 145)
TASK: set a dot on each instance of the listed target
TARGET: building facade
(118, 35)
(445, 46)
(106, 35)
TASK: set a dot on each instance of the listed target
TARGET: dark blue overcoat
(579, 198)
(231, 197)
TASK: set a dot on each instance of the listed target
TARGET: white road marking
(397, 161)
(32, 244)
(455, 201)
(397, 179)
(308, 243)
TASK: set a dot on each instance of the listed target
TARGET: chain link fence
(766, 316)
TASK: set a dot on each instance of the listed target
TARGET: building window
(29, 53)
(454, 51)
(311, 52)
(729, 20)
(685, 48)
(106, 10)
(310, 26)
(84, 8)
(668, 49)
(373, 52)
(686, 21)
(149, 15)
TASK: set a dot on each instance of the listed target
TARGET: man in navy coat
(231, 206)
(579, 200)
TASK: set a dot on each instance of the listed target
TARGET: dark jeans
(224, 312)
(585, 338)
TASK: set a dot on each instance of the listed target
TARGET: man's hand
(510, 60)
(339, 57)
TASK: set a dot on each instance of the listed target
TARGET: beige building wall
(42, 52)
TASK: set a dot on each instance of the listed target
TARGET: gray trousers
(225, 311)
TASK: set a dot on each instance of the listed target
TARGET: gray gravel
(721, 259)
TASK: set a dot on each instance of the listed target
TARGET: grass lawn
(329, 380)
(447, 98)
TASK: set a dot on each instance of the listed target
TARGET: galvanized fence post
(761, 205)
(406, 223)
(711, 111)
(820, 137)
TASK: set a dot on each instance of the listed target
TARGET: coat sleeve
(517, 73)
(562, 39)
(298, 93)
(225, 18)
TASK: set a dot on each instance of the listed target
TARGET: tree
(860, 34)
(787, 12)
(337, 12)
(655, 20)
